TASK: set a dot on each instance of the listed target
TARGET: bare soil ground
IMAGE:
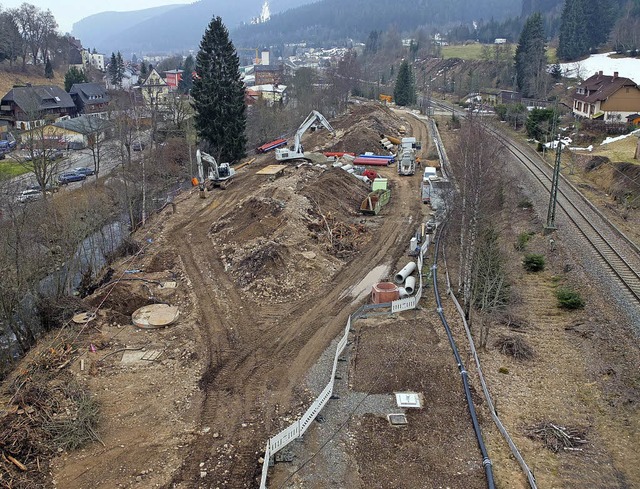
(264, 286)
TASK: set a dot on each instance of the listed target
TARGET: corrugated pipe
(486, 461)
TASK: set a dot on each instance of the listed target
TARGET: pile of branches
(45, 411)
(557, 438)
(343, 239)
(514, 346)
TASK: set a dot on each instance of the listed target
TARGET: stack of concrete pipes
(404, 277)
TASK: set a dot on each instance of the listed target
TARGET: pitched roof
(84, 124)
(39, 97)
(90, 93)
(600, 87)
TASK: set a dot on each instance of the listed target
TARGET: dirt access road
(262, 270)
(257, 353)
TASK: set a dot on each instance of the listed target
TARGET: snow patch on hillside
(626, 67)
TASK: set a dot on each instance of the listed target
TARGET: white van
(429, 171)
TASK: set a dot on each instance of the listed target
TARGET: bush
(523, 239)
(533, 262)
(569, 299)
(525, 204)
(514, 346)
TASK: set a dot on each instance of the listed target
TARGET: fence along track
(586, 221)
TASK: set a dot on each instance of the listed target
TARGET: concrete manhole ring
(155, 316)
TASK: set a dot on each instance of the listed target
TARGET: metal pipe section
(402, 275)
(410, 285)
(486, 461)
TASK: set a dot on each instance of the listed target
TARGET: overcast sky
(67, 12)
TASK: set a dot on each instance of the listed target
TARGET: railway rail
(619, 254)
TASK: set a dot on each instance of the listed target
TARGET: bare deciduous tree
(476, 165)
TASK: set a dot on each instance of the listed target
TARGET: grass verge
(11, 168)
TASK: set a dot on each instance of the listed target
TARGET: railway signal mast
(553, 197)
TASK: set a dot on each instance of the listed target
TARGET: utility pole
(553, 197)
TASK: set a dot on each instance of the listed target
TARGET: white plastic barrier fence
(298, 428)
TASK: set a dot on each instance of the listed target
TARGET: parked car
(68, 177)
(50, 187)
(137, 145)
(55, 154)
(83, 170)
(29, 195)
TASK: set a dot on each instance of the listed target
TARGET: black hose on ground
(486, 461)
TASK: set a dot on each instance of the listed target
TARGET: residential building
(609, 98)
(268, 74)
(154, 89)
(79, 132)
(90, 98)
(173, 78)
(129, 81)
(270, 93)
(26, 107)
(95, 60)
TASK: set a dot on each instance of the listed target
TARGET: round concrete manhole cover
(155, 316)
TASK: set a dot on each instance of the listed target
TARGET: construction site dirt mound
(361, 127)
(276, 241)
(336, 192)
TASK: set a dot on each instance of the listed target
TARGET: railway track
(619, 254)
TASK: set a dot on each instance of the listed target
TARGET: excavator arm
(296, 151)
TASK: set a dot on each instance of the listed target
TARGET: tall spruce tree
(119, 73)
(112, 70)
(143, 71)
(584, 26)
(404, 91)
(218, 95)
(574, 36)
(531, 58)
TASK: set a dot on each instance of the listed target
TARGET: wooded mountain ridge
(167, 29)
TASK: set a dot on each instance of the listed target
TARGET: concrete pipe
(364, 179)
(403, 292)
(410, 285)
(402, 275)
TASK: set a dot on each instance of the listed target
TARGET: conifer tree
(574, 37)
(48, 69)
(74, 75)
(404, 91)
(143, 71)
(119, 69)
(218, 95)
(112, 70)
(531, 58)
(186, 82)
